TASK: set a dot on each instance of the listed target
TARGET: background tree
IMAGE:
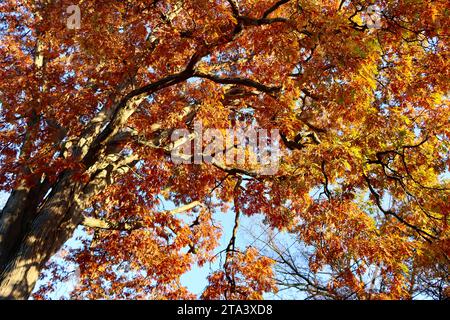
(86, 118)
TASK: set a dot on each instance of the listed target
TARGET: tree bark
(19, 210)
(53, 226)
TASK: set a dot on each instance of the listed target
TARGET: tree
(358, 90)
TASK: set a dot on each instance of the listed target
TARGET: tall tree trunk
(19, 211)
(53, 223)
(53, 226)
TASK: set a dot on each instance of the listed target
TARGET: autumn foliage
(86, 117)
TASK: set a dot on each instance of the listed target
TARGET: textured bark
(19, 210)
(10, 223)
(53, 226)
(54, 223)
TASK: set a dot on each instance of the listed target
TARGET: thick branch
(105, 224)
(239, 81)
(274, 7)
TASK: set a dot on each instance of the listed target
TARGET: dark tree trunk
(53, 224)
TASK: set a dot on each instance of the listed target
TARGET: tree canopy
(357, 89)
